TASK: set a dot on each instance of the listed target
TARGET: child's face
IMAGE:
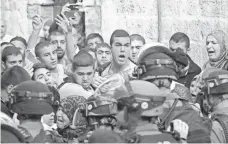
(194, 89)
(44, 76)
(48, 119)
(48, 56)
(103, 55)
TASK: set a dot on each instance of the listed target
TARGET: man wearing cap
(157, 65)
(30, 100)
(79, 82)
(216, 91)
(120, 43)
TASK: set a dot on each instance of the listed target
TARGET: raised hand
(62, 21)
(37, 22)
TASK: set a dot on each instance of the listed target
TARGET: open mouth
(122, 57)
(59, 120)
(211, 52)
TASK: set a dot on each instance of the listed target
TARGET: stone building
(156, 20)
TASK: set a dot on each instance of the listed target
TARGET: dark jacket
(193, 70)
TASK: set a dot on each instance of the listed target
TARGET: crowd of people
(122, 91)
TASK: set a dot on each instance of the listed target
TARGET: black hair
(181, 37)
(94, 35)
(18, 38)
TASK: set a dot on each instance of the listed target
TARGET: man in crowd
(58, 40)
(137, 41)
(121, 46)
(103, 55)
(11, 56)
(79, 82)
(46, 53)
(180, 42)
(93, 39)
(4, 36)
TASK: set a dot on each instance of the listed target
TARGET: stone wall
(197, 18)
(19, 13)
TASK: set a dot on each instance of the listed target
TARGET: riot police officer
(215, 91)
(30, 100)
(143, 107)
(162, 67)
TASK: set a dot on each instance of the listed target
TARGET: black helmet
(31, 97)
(9, 131)
(155, 63)
(216, 82)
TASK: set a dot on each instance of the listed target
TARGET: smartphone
(73, 6)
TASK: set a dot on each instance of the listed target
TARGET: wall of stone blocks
(19, 13)
(197, 18)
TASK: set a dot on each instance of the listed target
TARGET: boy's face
(44, 76)
(13, 60)
(48, 56)
(92, 43)
(135, 47)
(83, 76)
(104, 55)
(174, 46)
(121, 48)
(20, 45)
(59, 42)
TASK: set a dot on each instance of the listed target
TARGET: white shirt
(60, 75)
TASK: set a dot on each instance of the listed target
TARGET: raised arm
(63, 22)
(37, 24)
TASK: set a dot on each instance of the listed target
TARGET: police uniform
(142, 105)
(33, 98)
(216, 85)
(158, 62)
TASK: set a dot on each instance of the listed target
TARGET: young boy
(104, 56)
(82, 75)
(137, 41)
(47, 54)
(180, 41)
(93, 39)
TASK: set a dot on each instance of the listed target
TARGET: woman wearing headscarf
(68, 129)
(217, 49)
